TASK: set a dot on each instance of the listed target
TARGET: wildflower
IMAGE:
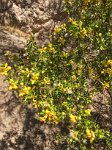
(74, 134)
(26, 71)
(72, 62)
(34, 78)
(43, 49)
(109, 62)
(4, 70)
(88, 112)
(86, 2)
(103, 71)
(57, 30)
(95, 77)
(35, 103)
(12, 85)
(43, 119)
(68, 90)
(90, 135)
(46, 80)
(64, 54)
(109, 71)
(50, 116)
(63, 26)
(24, 91)
(61, 40)
(72, 21)
(100, 34)
(104, 63)
(60, 86)
(106, 85)
(79, 71)
(74, 78)
(83, 33)
(73, 118)
(51, 48)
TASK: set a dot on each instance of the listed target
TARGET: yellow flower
(12, 84)
(68, 90)
(63, 26)
(90, 135)
(74, 78)
(86, 2)
(73, 118)
(61, 40)
(79, 71)
(100, 34)
(50, 116)
(88, 112)
(57, 30)
(43, 119)
(42, 50)
(34, 78)
(72, 21)
(109, 71)
(26, 72)
(35, 103)
(25, 91)
(73, 134)
(106, 85)
(51, 48)
(104, 63)
(71, 62)
(95, 77)
(103, 71)
(109, 62)
(4, 70)
(83, 33)
(46, 80)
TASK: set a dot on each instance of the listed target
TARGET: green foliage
(54, 79)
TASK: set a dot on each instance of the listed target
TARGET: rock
(32, 15)
(11, 40)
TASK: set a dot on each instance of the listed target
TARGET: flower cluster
(54, 78)
(4, 69)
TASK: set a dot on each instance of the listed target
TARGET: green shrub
(54, 78)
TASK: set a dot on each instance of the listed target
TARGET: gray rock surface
(37, 16)
(10, 41)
